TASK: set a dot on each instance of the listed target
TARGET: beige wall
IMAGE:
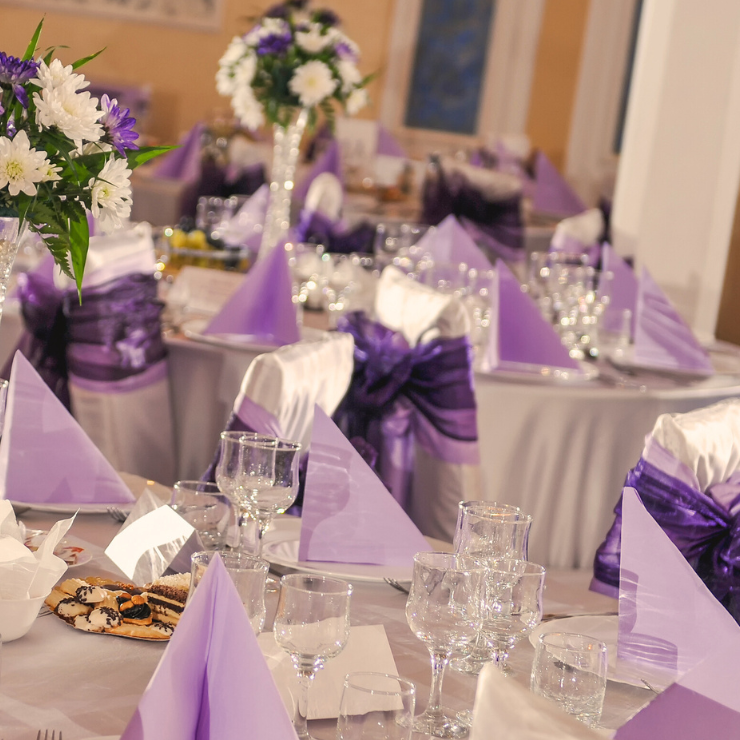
(180, 64)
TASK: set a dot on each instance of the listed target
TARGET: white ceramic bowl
(17, 616)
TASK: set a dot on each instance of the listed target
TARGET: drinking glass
(268, 478)
(228, 479)
(376, 706)
(512, 605)
(311, 625)
(488, 530)
(570, 670)
(204, 506)
(248, 575)
(444, 611)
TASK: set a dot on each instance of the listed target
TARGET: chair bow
(315, 228)
(707, 534)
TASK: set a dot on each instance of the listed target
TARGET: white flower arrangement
(293, 58)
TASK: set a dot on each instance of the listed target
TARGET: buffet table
(88, 685)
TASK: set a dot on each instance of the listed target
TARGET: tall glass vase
(287, 140)
(9, 240)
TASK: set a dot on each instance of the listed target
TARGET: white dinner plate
(521, 372)
(626, 359)
(68, 549)
(284, 551)
(193, 329)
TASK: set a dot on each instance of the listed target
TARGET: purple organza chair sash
(451, 193)
(316, 228)
(706, 533)
(399, 395)
(113, 338)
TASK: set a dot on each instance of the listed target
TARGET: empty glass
(248, 575)
(376, 706)
(206, 508)
(570, 670)
(311, 625)
(268, 480)
(444, 611)
(512, 604)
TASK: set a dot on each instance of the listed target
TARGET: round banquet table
(561, 451)
(88, 685)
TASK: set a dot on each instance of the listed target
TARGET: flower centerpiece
(294, 62)
(62, 153)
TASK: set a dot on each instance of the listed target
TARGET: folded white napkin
(509, 710)
(706, 440)
(325, 196)
(585, 228)
(411, 308)
(367, 650)
(492, 184)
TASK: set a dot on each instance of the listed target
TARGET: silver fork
(395, 584)
(47, 736)
(117, 514)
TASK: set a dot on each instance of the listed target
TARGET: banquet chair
(112, 351)
(688, 479)
(281, 388)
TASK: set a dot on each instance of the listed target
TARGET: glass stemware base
(441, 723)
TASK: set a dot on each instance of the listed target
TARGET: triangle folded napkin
(552, 194)
(45, 456)
(212, 682)
(349, 516)
(663, 340)
(387, 144)
(670, 619)
(622, 291)
(329, 161)
(262, 308)
(450, 242)
(184, 163)
(519, 334)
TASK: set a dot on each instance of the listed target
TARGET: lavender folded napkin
(262, 308)
(552, 194)
(213, 682)
(622, 291)
(349, 516)
(519, 334)
(184, 163)
(662, 338)
(451, 243)
(387, 144)
(45, 456)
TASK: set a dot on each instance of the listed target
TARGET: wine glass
(488, 530)
(228, 477)
(444, 611)
(268, 478)
(311, 625)
(512, 604)
(204, 506)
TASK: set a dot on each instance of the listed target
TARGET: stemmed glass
(488, 530)
(268, 478)
(229, 472)
(512, 604)
(444, 611)
(311, 625)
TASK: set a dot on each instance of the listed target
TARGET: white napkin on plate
(367, 650)
(585, 228)
(25, 574)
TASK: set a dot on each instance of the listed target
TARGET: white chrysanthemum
(247, 108)
(236, 49)
(75, 114)
(267, 27)
(313, 41)
(312, 82)
(356, 101)
(21, 167)
(349, 73)
(111, 194)
(225, 81)
(94, 147)
(54, 75)
(51, 172)
(244, 71)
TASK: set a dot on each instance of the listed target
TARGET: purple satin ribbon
(315, 228)
(400, 394)
(706, 533)
(452, 193)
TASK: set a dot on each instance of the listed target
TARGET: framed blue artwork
(449, 65)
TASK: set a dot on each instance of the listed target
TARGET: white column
(679, 169)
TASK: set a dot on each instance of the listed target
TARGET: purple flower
(14, 73)
(118, 125)
(274, 43)
(345, 51)
(10, 130)
(278, 11)
(297, 4)
(326, 17)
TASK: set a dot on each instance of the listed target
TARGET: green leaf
(49, 55)
(80, 62)
(31, 49)
(140, 156)
(79, 240)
